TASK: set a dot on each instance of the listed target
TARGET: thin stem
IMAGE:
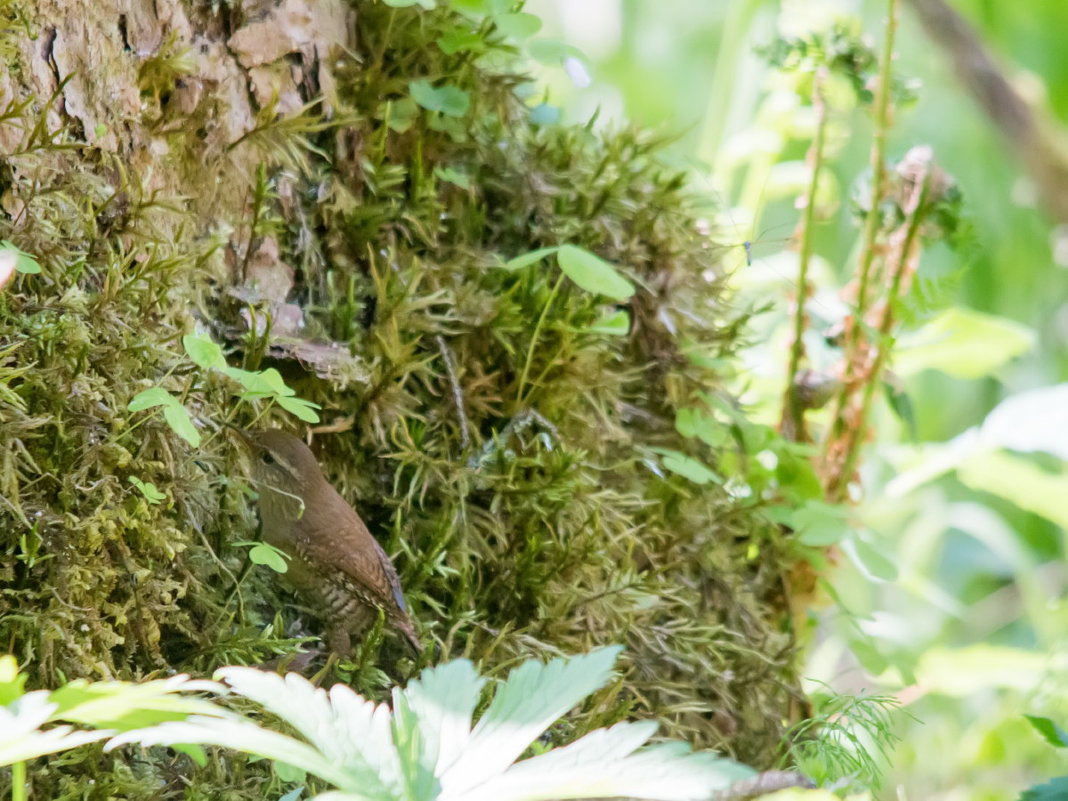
(534, 340)
(836, 491)
(18, 781)
(792, 421)
(732, 50)
(850, 351)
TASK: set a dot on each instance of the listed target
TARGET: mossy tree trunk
(261, 174)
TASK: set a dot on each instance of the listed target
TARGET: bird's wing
(352, 550)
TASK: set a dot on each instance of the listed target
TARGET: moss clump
(500, 445)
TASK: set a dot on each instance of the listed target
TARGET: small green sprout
(149, 490)
(24, 262)
(263, 554)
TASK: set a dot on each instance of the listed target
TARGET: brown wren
(335, 563)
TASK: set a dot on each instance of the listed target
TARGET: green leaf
(156, 396)
(149, 490)
(288, 773)
(427, 744)
(963, 343)
(820, 524)
(695, 423)
(24, 262)
(519, 262)
(443, 701)
(1053, 790)
(20, 737)
(687, 467)
(262, 384)
(545, 114)
(453, 176)
(616, 324)
(460, 40)
(125, 705)
(1020, 482)
(592, 273)
(203, 351)
(263, 554)
(194, 752)
(872, 562)
(901, 405)
(1053, 734)
(552, 52)
(449, 100)
(399, 115)
(300, 408)
(518, 25)
(12, 682)
(429, 5)
(178, 419)
(532, 697)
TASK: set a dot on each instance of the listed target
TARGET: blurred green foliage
(966, 497)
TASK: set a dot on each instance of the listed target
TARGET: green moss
(533, 520)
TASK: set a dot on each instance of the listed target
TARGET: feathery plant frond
(429, 749)
(106, 706)
(847, 741)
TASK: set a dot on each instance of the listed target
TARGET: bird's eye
(267, 458)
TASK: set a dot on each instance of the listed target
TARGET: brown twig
(1039, 143)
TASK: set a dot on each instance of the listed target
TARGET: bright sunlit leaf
(593, 273)
(962, 343)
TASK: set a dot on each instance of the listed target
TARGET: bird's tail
(410, 637)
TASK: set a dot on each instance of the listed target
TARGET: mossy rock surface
(503, 447)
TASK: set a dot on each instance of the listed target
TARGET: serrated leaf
(20, 735)
(531, 698)
(181, 424)
(202, 351)
(124, 706)
(150, 398)
(593, 273)
(443, 700)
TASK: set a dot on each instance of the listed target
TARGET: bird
(334, 561)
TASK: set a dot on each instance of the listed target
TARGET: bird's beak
(243, 435)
